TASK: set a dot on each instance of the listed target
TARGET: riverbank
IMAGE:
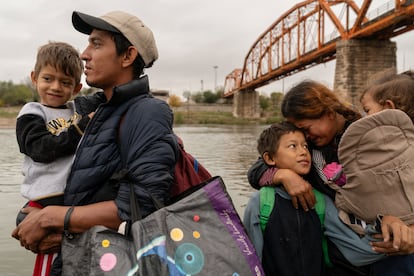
(8, 116)
(195, 116)
(216, 118)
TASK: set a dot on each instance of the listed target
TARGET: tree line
(18, 94)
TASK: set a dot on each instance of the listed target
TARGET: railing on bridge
(306, 35)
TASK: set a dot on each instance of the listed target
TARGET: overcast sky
(192, 36)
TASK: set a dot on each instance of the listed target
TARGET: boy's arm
(42, 146)
(256, 171)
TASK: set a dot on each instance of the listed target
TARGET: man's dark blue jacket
(147, 148)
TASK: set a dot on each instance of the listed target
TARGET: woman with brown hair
(323, 117)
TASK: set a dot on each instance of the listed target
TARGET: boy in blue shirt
(288, 250)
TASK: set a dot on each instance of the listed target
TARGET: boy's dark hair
(269, 139)
(121, 45)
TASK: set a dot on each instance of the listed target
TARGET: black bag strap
(123, 175)
(134, 205)
(135, 210)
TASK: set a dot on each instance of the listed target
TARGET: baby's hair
(398, 88)
(62, 56)
(381, 77)
(269, 139)
(409, 73)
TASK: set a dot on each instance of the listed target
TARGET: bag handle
(134, 204)
(135, 210)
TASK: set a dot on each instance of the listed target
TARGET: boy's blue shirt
(356, 250)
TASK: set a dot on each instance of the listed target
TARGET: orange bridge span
(308, 34)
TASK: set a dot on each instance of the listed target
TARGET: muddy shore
(7, 122)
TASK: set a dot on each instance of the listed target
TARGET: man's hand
(28, 232)
(37, 225)
(50, 244)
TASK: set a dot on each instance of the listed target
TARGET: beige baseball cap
(124, 23)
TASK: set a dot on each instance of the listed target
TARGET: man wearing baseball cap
(123, 23)
(130, 129)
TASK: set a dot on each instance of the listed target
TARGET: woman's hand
(398, 238)
(299, 189)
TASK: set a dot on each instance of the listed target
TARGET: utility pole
(215, 78)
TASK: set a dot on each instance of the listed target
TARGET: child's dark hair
(269, 139)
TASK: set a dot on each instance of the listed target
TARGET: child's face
(54, 87)
(369, 105)
(293, 153)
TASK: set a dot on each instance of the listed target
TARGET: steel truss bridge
(306, 36)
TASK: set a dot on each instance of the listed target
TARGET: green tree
(209, 97)
(23, 94)
(220, 92)
(264, 102)
(275, 102)
(11, 94)
(198, 97)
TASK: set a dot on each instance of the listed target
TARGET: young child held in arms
(49, 131)
(376, 153)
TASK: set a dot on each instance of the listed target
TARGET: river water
(227, 151)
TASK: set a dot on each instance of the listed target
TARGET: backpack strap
(267, 201)
(320, 211)
(182, 151)
(195, 163)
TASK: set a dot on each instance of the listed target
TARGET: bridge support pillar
(357, 61)
(246, 104)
